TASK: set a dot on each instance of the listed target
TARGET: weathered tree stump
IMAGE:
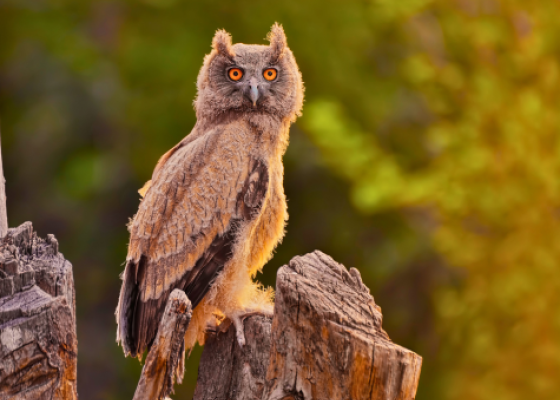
(38, 345)
(325, 342)
(228, 371)
(165, 361)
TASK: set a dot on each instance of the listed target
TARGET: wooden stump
(38, 345)
(228, 371)
(325, 341)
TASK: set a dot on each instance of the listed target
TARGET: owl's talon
(238, 322)
(239, 330)
(217, 324)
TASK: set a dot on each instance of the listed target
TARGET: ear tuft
(277, 39)
(222, 43)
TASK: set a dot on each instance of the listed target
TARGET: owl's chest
(246, 145)
(273, 208)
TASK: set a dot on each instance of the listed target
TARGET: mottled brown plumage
(215, 208)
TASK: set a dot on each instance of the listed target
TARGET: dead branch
(165, 360)
(3, 210)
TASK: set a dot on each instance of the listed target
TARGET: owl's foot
(237, 319)
(217, 324)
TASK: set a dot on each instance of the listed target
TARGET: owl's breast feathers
(202, 192)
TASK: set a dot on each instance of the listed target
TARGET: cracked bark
(228, 371)
(38, 345)
(325, 341)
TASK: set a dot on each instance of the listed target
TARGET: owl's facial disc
(254, 83)
(247, 80)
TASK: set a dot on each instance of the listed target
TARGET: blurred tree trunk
(38, 345)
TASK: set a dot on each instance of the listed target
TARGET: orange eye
(235, 74)
(269, 74)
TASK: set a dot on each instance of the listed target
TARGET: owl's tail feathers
(138, 321)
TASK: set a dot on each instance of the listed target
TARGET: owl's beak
(254, 91)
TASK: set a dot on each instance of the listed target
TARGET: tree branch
(3, 210)
(165, 360)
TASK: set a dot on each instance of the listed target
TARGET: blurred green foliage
(427, 157)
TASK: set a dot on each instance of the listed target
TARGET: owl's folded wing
(184, 231)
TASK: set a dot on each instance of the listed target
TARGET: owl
(215, 207)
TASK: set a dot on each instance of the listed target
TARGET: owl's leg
(218, 323)
(238, 317)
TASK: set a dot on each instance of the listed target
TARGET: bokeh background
(428, 157)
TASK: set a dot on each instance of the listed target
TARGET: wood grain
(228, 371)
(38, 345)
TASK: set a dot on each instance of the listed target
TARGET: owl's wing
(184, 231)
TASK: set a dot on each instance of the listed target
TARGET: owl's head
(239, 79)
